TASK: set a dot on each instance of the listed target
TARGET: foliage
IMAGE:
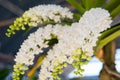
(3, 73)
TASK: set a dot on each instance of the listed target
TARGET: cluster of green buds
(19, 71)
(80, 59)
(58, 70)
(19, 24)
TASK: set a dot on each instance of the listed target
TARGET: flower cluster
(75, 42)
(92, 23)
(42, 13)
(31, 47)
(80, 36)
(39, 15)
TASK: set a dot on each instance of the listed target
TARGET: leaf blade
(115, 12)
(112, 4)
(105, 41)
(88, 4)
(76, 5)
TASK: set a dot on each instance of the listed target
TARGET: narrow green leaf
(116, 11)
(99, 3)
(105, 41)
(109, 31)
(83, 2)
(88, 4)
(112, 4)
(77, 16)
(77, 5)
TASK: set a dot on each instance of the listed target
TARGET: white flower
(33, 46)
(97, 19)
(92, 23)
(83, 35)
(41, 13)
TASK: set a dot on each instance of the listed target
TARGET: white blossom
(82, 35)
(97, 17)
(41, 13)
(33, 46)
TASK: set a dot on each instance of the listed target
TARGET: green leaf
(106, 40)
(116, 11)
(3, 73)
(88, 4)
(77, 5)
(112, 4)
(109, 32)
(77, 16)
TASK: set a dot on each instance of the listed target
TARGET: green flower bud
(23, 28)
(30, 24)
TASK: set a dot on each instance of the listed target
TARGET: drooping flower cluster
(93, 22)
(40, 15)
(75, 43)
(82, 35)
(30, 47)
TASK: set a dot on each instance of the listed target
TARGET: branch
(6, 22)
(11, 7)
(111, 72)
(5, 58)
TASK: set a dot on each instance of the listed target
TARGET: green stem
(108, 39)
(38, 64)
